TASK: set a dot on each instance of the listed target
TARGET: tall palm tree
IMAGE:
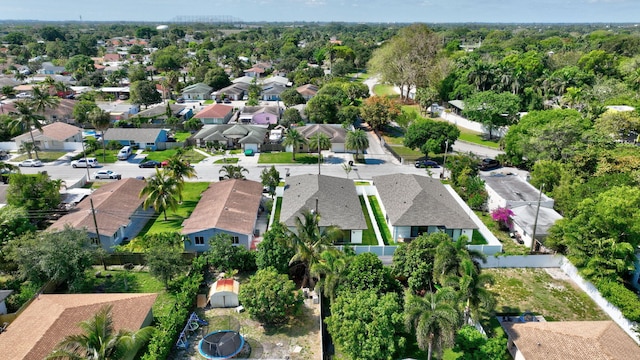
(330, 271)
(309, 241)
(28, 147)
(179, 169)
(162, 192)
(101, 120)
(233, 171)
(434, 319)
(319, 141)
(357, 140)
(42, 100)
(100, 341)
(449, 257)
(472, 290)
(294, 139)
(25, 118)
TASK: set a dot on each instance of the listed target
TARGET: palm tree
(28, 147)
(330, 271)
(433, 318)
(42, 100)
(294, 139)
(100, 121)
(233, 171)
(357, 140)
(449, 257)
(319, 141)
(309, 241)
(25, 118)
(100, 341)
(161, 190)
(179, 169)
(472, 290)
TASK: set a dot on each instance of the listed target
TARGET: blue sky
(429, 11)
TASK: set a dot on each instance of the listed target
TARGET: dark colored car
(227, 101)
(426, 164)
(180, 100)
(488, 164)
(150, 164)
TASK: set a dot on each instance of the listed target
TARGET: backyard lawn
(382, 225)
(287, 158)
(181, 136)
(509, 246)
(382, 90)
(190, 198)
(535, 290)
(190, 155)
(368, 235)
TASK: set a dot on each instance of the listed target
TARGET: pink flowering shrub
(504, 217)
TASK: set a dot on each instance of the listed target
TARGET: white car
(31, 163)
(107, 174)
(23, 95)
(85, 162)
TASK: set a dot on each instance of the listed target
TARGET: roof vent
(226, 208)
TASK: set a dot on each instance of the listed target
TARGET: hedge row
(624, 299)
(168, 327)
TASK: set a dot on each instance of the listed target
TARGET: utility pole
(95, 223)
(535, 222)
(84, 154)
(319, 155)
(444, 162)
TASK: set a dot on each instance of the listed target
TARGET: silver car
(107, 174)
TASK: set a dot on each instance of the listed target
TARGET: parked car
(227, 101)
(150, 164)
(180, 100)
(107, 174)
(85, 162)
(123, 97)
(424, 163)
(24, 95)
(488, 164)
(31, 163)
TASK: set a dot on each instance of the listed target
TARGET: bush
(624, 299)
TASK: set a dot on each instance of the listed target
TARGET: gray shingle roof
(240, 131)
(335, 132)
(138, 135)
(413, 200)
(338, 202)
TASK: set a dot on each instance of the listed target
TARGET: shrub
(624, 299)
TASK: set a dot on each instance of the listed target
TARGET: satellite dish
(162, 27)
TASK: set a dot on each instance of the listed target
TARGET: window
(150, 144)
(235, 240)
(418, 230)
(199, 240)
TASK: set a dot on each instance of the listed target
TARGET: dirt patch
(300, 339)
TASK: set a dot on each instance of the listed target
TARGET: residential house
(142, 138)
(307, 91)
(244, 80)
(235, 91)
(111, 58)
(55, 136)
(47, 68)
(254, 72)
(281, 80)
(50, 318)
(215, 114)
(63, 112)
(513, 192)
(158, 114)
(118, 213)
(3, 295)
(569, 340)
(116, 91)
(414, 205)
(119, 111)
(199, 91)
(272, 91)
(247, 137)
(259, 115)
(229, 207)
(335, 199)
(335, 132)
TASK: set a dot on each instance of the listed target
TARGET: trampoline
(222, 344)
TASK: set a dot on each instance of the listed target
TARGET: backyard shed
(224, 293)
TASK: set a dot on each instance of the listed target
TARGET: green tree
(144, 93)
(34, 192)
(224, 256)
(165, 262)
(162, 191)
(414, 261)
(366, 325)
(61, 256)
(474, 346)
(179, 169)
(430, 136)
(233, 171)
(80, 66)
(25, 118)
(322, 109)
(492, 109)
(366, 272)
(100, 341)
(378, 111)
(101, 120)
(42, 100)
(433, 318)
(270, 297)
(270, 178)
(291, 116)
(319, 141)
(274, 250)
(28, 147)
(294, 139)
(618, 124)
(291, 97)
(82, 109)
(357, 140)
(331, 271)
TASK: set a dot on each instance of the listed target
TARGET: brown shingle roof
(60, 131)
(215, 111)
(307, 89)
(567, 340)
(49, 318)
(336, 133)
(114, 203)
(230, 205)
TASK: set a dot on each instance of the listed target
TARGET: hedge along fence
(168, 327)
(116, 259)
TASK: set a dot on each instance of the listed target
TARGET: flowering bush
(504, 218)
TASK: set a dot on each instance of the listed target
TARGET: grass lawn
(181, 136)
(190, 155)
(276, 216)
(520, 290)
(110, 156)
(287, 158)
(368, 235)
(478, 239)
(45, 156)
(382, 225)
(190, 198)
(509, 246)
(383, 89)
(232, 160)
(130, 281)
